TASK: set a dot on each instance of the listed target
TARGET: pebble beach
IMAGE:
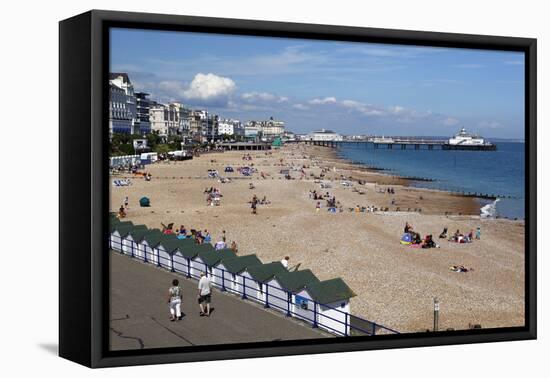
(395, 284)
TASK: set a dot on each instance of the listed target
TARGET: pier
(407, 144)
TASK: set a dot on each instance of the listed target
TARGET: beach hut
(233, 267)
(328, 302)
(197, 265)
(130, 243)
(183, 256)
(258, 275)
(166, 248)
(148, 244)
(282, 287)
(210, 259)
(118, 232)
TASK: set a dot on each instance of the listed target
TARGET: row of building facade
(133, 112)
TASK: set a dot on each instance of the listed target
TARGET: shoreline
(486, 201)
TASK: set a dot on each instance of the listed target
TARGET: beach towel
(406, 239)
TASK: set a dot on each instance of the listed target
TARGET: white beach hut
(328, 305)
(210, 259)
(130, 243)
(148, 244)
(232, 269)
(281, 289)
(117, 232)
(257, 276)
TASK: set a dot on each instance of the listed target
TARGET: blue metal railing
(339, 322)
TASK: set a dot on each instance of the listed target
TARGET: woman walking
(175, 296)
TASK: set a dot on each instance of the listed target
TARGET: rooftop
(329, 291)
(211, 257)
(264, 272)
(238, 264)
(294, 281)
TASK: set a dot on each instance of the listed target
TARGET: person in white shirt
(285, 262)
(174, 300)
(205, 294)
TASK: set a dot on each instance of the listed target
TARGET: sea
(500, 172)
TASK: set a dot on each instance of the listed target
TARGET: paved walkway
(140, 314)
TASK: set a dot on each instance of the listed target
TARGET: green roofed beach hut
(147, 246)
(167, 247)
(232, 268)
(130, 243)
(282, 287)
(120, 231)
(327, 304)
(257, 275)
(182, 258)
(197, 264)
(210, 258)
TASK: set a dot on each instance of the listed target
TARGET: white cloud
(208, 87)
(322, 101)
(263, 97)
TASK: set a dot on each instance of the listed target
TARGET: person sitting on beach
(408, 228)
(478, 233)
(207, 237)
(428, 242)
(357, 209)
(121, 212)
(285, 261)
(318, 206)
(416, 239)
(220, 245)
(443, 234)
(234, 247)
(183, 230)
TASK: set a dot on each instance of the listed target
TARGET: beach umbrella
(406, 239)
(144, 202)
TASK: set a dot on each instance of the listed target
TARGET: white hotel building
(122, 104)
(324, 136)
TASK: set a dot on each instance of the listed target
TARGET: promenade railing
(318, 315)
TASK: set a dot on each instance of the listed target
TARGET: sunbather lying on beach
(460, 269)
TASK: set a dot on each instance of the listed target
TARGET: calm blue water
(500, 172)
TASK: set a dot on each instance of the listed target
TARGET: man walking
(174, 300)
(205, 294)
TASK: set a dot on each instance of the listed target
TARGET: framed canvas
(235, 188)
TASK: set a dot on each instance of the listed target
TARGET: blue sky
(352, 88)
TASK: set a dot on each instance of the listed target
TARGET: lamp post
(436, 314)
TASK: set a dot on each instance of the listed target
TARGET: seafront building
(230, 127)
(142, 123)
(122, 104)
(135, 113)
(324, 135)
(169, 119)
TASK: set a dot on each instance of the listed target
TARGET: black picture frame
(83, 197)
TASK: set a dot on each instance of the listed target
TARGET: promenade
(140, 317)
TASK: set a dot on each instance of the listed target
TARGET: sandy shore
(395, 284)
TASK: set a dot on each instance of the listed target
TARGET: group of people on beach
(204, 298)
(213, 196)
(459, 237)
(416, 239)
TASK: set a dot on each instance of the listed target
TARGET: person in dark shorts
(205, 294)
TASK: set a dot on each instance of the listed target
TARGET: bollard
(436, 315)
